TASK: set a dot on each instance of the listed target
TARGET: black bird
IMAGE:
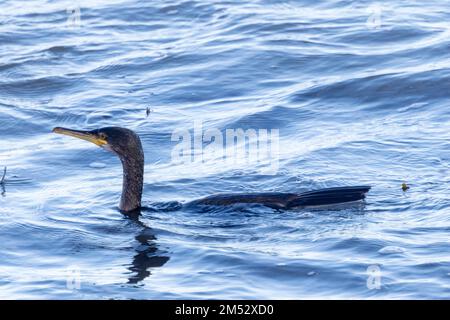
(127, 146)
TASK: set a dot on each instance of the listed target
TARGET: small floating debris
(391, 250)
(312, 273)
(405, 186)
(2, 183)
(97, 165)
(2, 180)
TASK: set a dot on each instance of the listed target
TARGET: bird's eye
(102, 136)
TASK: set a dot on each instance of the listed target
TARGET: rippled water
(358, 90)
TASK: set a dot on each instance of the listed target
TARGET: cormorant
(127, 146)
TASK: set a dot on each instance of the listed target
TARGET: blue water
(359, 92)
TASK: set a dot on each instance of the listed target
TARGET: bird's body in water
(127, 146)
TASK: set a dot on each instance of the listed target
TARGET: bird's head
(127, 146)
(121, 141)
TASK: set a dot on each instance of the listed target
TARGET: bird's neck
(133, 180)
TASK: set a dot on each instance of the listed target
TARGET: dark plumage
(279, 200)
(127, 145)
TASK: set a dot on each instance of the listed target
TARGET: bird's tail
(329, 196)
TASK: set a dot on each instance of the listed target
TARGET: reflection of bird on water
(127, 146)
(148, 255)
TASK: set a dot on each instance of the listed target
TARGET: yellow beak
(84, 135)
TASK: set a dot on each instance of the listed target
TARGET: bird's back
(279, 200)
